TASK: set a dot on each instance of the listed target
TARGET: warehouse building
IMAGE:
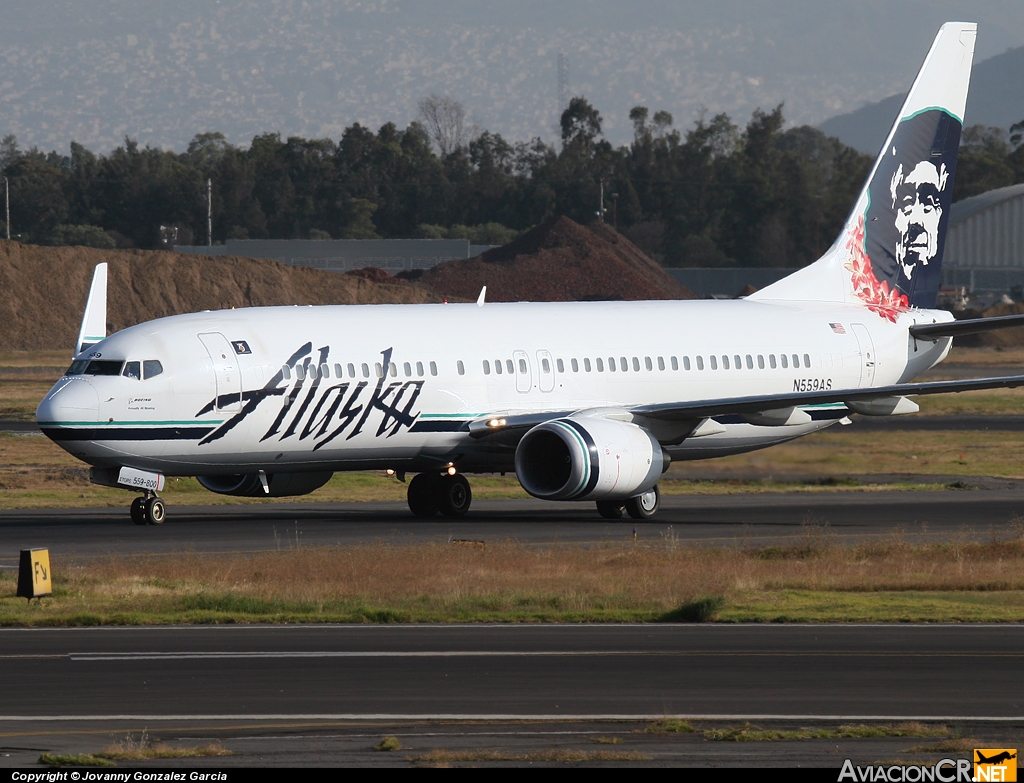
(985, 244)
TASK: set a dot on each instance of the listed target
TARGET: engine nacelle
(281, 485)
(588, 458)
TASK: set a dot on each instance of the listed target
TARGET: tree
(446, 123)
(581, 123)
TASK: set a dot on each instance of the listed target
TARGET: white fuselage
(223, 404)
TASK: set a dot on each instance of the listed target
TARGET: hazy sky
(96, 70)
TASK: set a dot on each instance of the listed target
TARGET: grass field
(815, 579)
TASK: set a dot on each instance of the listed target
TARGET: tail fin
(94, 320)
(889, 254)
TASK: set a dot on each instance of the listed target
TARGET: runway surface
(517, 671)
(724, 520)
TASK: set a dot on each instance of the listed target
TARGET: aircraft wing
(970, 326)
(679, 411)
(886, 397)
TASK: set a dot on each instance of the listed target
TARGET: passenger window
(661, 362)
(394, 370)
(700, 362)
(575, 365)
(611, 364)
(407, 369)
(686, 363)
(714, 362)
(560, 365)
(545, 365)
(737, 363)
(510, 367)
(817, 361)
(636, 364)
(286, 372)
(807, 361)
(366, 370)
(351, 371)
(771, 360)
(487, 367)
(725, 361)
(325, 371)
(760, 362)
(433, 368)
(338, 372)
(750, 362)
(785, 362)
(378, 369)
(300, 372)
(152, 368)
(522, 366)
(133, 370)
(586, 365)
(497, 366)
(461, 367)
(419, 369)
(623, 364)
(647, 363)
(796, 361)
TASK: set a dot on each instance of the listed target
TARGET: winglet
(94, 321)
(483, 295)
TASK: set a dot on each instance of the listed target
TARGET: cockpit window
(77, 368)
(104, 367)
(132, 370)
(152, 368)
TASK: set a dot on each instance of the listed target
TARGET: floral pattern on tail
(866, 287)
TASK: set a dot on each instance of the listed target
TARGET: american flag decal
(838, 328)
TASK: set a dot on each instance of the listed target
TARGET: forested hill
(716, 194)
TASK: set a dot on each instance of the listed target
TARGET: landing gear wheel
(644, 506)
(422, 494)
(609, 509)
(138, 511)
(155, 511)
(454, 495)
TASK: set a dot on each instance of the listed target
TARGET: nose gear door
(225, 370)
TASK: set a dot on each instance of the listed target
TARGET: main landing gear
(148, 510)
(430, 493)
(643, 506)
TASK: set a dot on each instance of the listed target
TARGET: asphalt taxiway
(277, 686)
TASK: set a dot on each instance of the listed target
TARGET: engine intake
(588, 458)
(281, 485)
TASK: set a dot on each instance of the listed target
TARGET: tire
(644, 506)
(155, 511)
(454, 495)
(422, 494)
(609, 509)
(138, 511)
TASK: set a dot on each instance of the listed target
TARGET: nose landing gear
(148, 510)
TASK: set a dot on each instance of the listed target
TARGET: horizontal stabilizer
(960, 328)
(94, 321)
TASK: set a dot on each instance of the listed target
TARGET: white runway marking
(505, 717)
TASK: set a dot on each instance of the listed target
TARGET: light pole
(7, 207)
(209, 212)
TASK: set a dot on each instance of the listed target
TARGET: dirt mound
(1000, 338)
(558, 261)
(376, 275)
(45, 288)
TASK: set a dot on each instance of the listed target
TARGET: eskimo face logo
(917, 202)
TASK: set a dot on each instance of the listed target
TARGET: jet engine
(248, 485)
(588, 458)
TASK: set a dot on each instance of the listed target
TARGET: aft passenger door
(867, 354)
(225, 370)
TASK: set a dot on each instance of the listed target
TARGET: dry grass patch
(447, 756)
(751, 733)
(606, 740)
(73, 760)
(670, 726)
(133, 748)
(388, 744)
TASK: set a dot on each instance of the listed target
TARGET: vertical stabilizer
(889, 254)
(94, 321)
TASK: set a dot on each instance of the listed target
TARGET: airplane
(583, 401)
(1003, 756)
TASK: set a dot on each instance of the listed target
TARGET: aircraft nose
(70, 400)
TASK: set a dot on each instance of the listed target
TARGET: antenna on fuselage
(483, 295)
(94, 320)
